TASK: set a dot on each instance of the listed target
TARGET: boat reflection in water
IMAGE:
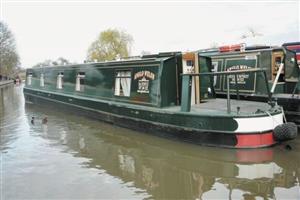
(172, 170)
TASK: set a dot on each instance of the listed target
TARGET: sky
(47, 29)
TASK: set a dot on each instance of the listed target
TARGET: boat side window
(214, 69)
(59, 81)
(190, 63)
(42, 81)
(80, 81)
(277, 58)
(123, 83)
(189, 66)
(29, 77)
(277, 63)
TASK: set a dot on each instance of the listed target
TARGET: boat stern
(263, 131)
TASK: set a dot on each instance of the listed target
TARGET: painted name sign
(146, 74)
(246, 81)
(241, 78)
(143, 84)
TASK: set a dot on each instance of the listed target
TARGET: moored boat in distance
(166, 94)
(282, 64)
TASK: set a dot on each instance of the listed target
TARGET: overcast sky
(50, 29)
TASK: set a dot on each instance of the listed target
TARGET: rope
(274, 120)
(284, 118)
(271, 118)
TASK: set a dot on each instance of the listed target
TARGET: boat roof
(145, 59)
(249, 49)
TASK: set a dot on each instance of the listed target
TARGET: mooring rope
(284, 118)
(274, 120)
(271, 118)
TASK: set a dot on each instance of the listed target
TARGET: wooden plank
(197, 80)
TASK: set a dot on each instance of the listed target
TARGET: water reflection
(97, 155)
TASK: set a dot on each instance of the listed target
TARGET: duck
(32, 120)
(45, 120)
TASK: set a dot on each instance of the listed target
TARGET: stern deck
(219, 107)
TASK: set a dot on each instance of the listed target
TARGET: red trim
(255, 140)
(227, 48)
(293, 47)
(254, 155)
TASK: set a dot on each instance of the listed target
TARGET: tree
(9, 58)
(45, 63)
(62, 61)
(48, 62)
(110, 44)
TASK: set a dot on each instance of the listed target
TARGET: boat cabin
(151, 80)
(240, 57)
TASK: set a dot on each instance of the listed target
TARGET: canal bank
(74, 157)
(6, 82)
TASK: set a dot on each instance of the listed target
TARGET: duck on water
(166, 94)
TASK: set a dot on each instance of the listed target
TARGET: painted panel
(206, 82)
(99, 82)
(245, 82)
(217, 66)
(145, 85)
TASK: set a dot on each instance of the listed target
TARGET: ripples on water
(74, 157)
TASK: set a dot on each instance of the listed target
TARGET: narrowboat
(282, 65)
(166, 94)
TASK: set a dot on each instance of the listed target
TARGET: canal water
(74, 157)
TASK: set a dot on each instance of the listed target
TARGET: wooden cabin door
(277, 58)
(190, 65)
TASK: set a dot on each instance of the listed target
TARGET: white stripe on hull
(258, 124)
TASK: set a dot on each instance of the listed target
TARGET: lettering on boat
(144, 77)
(241, 78)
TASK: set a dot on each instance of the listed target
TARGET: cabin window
(277, 63)
(215, 69)
(29, 77)
(188, 66)
(190, 63)
(42, 81)
(80, 81)
(123, 83)
(59, 81)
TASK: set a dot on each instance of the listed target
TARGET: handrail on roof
(225, 72)
(186, 83)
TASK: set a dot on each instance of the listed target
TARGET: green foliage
(45, 63)
(9, 58)
(111, 44)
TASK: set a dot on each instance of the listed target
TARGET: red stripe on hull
(255, 140)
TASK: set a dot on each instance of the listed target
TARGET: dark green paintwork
(165, 90)
(186, 94)
(99, 81)
(263, 59)
(186, 120)
(205, 81)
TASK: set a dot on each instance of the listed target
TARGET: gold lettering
(146, 74)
